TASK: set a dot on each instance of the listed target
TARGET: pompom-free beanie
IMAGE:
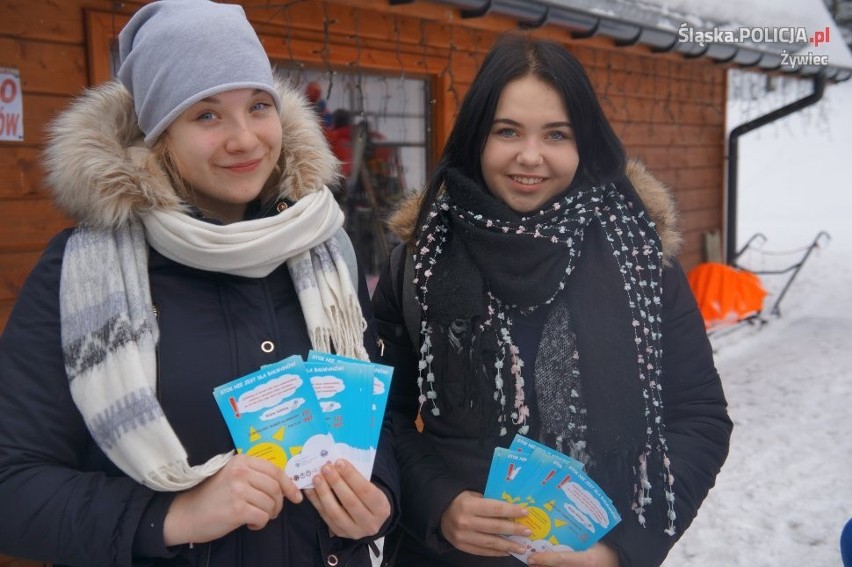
(174, 53)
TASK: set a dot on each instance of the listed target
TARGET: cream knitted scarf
(110, 335)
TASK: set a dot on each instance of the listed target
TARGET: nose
(530, 154)
(241, 137)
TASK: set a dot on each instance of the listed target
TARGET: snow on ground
(785, 492)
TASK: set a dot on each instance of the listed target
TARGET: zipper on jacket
(380, 342)
(224, 306)
(157, 355)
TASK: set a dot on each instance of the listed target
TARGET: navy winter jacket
(65, 502)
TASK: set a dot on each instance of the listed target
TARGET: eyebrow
(511, 122)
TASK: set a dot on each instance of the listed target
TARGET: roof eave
(583, 23)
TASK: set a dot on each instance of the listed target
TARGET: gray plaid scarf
(110, 334)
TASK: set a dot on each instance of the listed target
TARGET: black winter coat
(62, 500)
(452, 454)
(65, 502)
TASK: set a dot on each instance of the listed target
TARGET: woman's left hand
(599, 555)
(351, 505)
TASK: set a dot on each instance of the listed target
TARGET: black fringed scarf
(478, 264)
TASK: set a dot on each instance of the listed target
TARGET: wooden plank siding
(669, 111)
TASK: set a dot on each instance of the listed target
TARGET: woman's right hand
(478, 525)
(246, 491)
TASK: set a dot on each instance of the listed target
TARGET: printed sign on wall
(11, 105)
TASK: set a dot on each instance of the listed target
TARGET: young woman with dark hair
(537, 292)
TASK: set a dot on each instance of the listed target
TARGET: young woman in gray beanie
(207, 245)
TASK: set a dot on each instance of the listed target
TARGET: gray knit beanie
(174, 53)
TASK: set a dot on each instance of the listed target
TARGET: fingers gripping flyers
(301, 415)
(567, 510)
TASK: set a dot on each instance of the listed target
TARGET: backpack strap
(410, 305)
(402, 271)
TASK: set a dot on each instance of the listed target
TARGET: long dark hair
(514, 56)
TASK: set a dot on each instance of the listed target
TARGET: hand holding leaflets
(301, 415)
(567, 510)
(352, 395)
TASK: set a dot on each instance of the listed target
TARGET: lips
(526, 183)
(526, 180)
(244, 167)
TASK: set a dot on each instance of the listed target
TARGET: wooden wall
(45, 42)
(669, 111)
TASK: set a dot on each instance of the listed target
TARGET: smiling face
(530, 155)
(225, 148)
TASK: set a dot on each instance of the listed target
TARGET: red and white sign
(11, 106)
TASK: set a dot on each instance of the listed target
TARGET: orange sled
(725, 295)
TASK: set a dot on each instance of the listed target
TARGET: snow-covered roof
(794, 36)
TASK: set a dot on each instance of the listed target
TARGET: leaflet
(382, 376)
(361, 417)
(341, 391)
(274, 414)
(567, 510)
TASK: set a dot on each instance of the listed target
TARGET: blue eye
(259, 106)
(557, 135)
(204, 116)
(506, 132)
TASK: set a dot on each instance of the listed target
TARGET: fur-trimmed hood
(654, 194)
(101, 173)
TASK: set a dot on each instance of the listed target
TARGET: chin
(526, 207)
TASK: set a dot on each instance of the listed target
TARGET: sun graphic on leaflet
(272, 452)
(538, 521)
